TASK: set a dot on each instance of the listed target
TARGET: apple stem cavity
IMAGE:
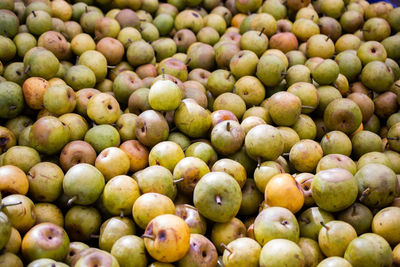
(324, 225)
(226, 247)
(3, 205)
(71, 201)
(262, 31)
(218, 200)
(27, 69)
(179, 180)
(121, 214)
(152, 237)
(365, 193)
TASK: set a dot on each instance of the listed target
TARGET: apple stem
(121, 214)
(324, 225)
(71, 201)
(327, 38)
(262, 31)
(258, 162)
(328, 136)
(218, 200)
(113, 72)
(27, 69)
(398, 85)
(152, 237)
(284, 73)
(225, 247)
(94, 236)
(111, 67)
(285, 154)
(86, 9)
(392, 138)
(312, 17)
(188, 61)
(365, 193)
(229, 75)
(144, 20)
(308, 107)
(5, 33)
(3, 205)
(34, 13)
(163, 73)
(323, 129)
(228, 126)
(130, 40)
(179, 180)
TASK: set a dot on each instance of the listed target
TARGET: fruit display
(199, 133)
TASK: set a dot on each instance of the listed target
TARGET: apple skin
(45, 240)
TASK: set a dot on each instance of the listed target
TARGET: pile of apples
(199, 133)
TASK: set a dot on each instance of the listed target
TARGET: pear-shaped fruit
(83, 183)
(242, 251)
(161, 90)
(276, 222)
(369, 249)
(326, 186)
(281, 252)
(45, 240)
(334, 237)
(217, 196)
(284, 191)
(167, 238)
